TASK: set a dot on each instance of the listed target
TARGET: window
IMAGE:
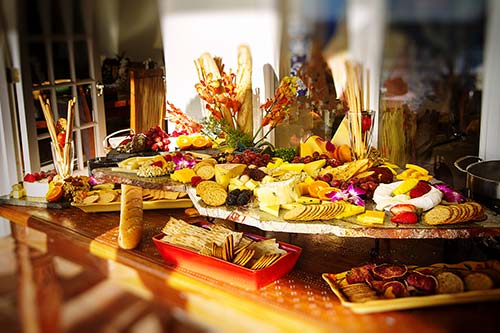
(57, 51)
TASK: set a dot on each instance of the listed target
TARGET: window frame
(28, 134)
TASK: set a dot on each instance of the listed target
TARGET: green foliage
(285, 153)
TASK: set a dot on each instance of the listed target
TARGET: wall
(190, 28)
(130, 27)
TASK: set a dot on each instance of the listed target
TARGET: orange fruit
(201, 141)
(324, 191)
(184, 142)
(344, 153)
(303, 188)
(54, 194)
(316, 186)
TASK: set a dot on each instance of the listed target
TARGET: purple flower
(183, 162)
(351, 194)
(450, 194)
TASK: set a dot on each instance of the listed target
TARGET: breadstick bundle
(357, 94)
(62, 151)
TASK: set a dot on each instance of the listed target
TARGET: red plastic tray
(228, 272)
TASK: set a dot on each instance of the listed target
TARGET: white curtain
(366, 32)
(490, 109)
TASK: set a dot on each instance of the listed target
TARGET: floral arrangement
(183, 122)
(220, 98)
(276, 108)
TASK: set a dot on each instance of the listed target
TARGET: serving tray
(33, 202)
(146, 205)
(226, 271)
(335, 281)
(348, 227)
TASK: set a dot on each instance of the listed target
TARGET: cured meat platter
(415, 287)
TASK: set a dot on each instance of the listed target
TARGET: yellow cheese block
(273, 210)
(405, 186)
(350, 210)
(224, 172)
(308, 200)
(371, 217)
(297, 167)
(313, 144)
(341, 136)
(312, 168)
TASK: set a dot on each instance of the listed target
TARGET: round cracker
(294, 212)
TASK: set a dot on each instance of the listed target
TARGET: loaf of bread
(130, 229)
(244, 93)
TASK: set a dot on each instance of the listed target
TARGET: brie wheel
(383, 197)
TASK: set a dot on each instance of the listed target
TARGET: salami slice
(422, 282)
(390, 271)
(394, 289)
(377, 285)
(359, 274)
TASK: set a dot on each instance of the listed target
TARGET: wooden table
(300, 301)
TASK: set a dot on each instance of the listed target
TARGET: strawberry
(366, 123)
(416, 192)
(405, 218)
(420, 189)
(29, 178)
(157, 163)
(195, 180)
(400, 208)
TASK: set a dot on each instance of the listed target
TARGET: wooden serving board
(33, 202)
(335, 281)
(146, 205)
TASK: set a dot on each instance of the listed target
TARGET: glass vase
(63, 158)
(360, 126)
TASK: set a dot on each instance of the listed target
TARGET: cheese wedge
(224, 172)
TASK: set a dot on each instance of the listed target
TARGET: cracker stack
(452, 214)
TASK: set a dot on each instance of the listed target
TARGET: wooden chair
(147, 99)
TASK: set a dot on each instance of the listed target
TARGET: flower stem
(263, 137)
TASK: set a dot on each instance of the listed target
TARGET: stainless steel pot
(483, 180)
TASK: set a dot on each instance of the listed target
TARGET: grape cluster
(254, 173)
(238, 197)
(249, 157)
(368, 184)
(333, 162)
(157, 139)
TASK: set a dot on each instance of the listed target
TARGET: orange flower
(181, 120)
(276, 108)
(219, 96)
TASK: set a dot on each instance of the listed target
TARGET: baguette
(244, 90)
(206, 65)
(130, 229)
